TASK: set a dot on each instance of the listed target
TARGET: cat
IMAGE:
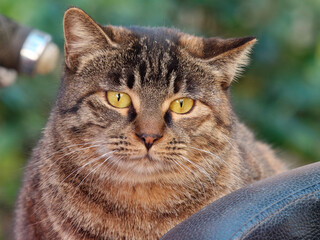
(142, 135)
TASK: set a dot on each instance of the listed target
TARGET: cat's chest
(144, 212)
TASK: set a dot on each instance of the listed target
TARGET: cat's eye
(118, 99)
(181, 105)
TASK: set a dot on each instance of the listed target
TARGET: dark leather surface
(286, 206)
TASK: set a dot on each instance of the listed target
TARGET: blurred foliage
(279, 96)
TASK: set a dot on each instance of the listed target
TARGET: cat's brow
(142, 71)
(172, 68)
(130, 80)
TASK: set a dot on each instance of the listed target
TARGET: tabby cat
(142, 135)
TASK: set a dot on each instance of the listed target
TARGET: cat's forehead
(152, 62)
(152, 38)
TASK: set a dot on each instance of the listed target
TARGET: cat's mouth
(146, 157)
(140, 168)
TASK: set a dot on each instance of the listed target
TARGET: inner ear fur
(226, 56)
(82, 35)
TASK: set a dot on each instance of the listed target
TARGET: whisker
(232, 146)
(179, 165)
(75, 145)
(77, 150)
(50, 173)
(124, 175)
(81, 168)
(69, 146)
(69, 153)
(182, 167)
(201, 169)
(93, 160)
(92, 171)
(210, 153)
(191, 172)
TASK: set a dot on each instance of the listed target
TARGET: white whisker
(69, 153)
(212, 154)
(232, 146)
(191, 172)
(201, 169)
(93, 160)
(74, 145)
(69, 146)
(93, 171)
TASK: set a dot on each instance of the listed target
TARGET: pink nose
(149, 139)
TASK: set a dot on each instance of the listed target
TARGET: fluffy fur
(92, 176)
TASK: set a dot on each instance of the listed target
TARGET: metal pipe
(25, 50)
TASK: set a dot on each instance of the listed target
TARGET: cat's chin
(144, 158)
(140, 168)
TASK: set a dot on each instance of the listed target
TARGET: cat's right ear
(82, 35)
(226, 56)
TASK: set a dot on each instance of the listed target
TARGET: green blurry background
(278, 96)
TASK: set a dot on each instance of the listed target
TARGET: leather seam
(252, 229)
(257, 216)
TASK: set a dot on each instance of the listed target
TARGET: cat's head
(145, 102)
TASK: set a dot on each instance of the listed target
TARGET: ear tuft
(233, 57)
(213, 47)
(226, 56)
(82, 35)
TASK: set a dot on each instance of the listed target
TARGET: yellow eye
(118, 99)
(181, 105)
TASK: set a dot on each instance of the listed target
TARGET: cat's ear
(82, 35)
(226, 56)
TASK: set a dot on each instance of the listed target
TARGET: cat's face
(145, 102)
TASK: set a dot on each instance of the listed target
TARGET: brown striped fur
(91, 176)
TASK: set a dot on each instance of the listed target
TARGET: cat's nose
(149, 139)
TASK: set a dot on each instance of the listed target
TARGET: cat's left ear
(82, 35)
(226, 56)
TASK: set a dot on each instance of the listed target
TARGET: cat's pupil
(181, 103)
(118, 96)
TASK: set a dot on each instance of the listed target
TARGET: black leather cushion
(286, 206)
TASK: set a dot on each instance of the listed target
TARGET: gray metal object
(24, 50)
(32, 48)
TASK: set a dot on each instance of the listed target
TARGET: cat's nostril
(149, 139)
